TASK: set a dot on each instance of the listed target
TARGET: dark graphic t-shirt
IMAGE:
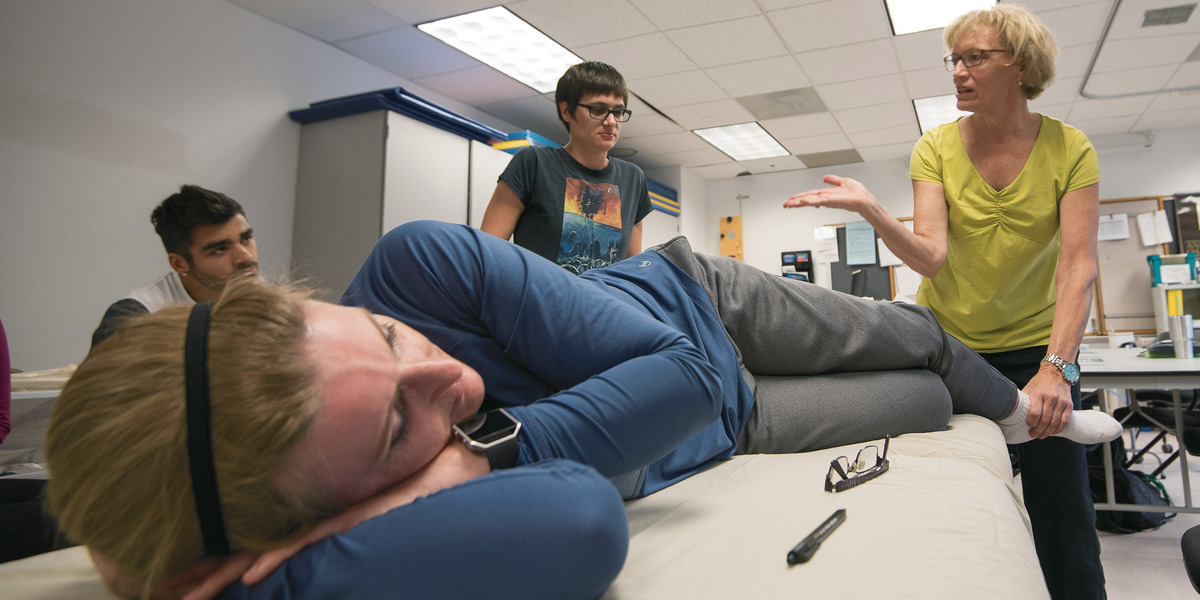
(578, 217)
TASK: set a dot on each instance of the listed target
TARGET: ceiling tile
(1056, 111)
(664, 91)
(817, 143)
(1060, 91)
(408, 52)
(1095, 129)
(1089, 110)
(832, 23)
(928, 82)
(1168, 120)
(673, 14)
(900, 134)
(629, 56)
(1128, 23)
(829, 159)
(1074, 61)
(709, 114)
(1123, 55)
(587, 23)
(729, 42)
(902, 151)
(864, 92)
(420, 11)
(772, 165)
(647, 121)
(759, 76)
(784, 103)
(1076, 25)
(727, 170)
(697, 158)
(921, 50)
(535, 113)
(325, 21)
(1112, 84)
(478, 85)
(801, 125)
(846, 63)
(666, 143)
(880, 116)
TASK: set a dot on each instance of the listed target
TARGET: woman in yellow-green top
(1006, 210)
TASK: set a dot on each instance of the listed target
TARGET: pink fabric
(5, 386)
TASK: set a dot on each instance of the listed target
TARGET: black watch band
(503, 455)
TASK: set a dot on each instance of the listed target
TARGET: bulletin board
(1122, 297)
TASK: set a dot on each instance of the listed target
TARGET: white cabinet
(1191, 302)
(362, 175)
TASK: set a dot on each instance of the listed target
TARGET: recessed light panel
(910, 16)
(505, 42)
(745, 141)
(937, 110)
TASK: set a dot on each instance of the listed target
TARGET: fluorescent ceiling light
(937, 110)
(506, 43)
(909, 16)
(746, 141)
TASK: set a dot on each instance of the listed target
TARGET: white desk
(1122, 368)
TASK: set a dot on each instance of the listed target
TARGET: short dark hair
(590, 77)
(192, 207)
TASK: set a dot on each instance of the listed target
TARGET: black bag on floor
(1129, 487)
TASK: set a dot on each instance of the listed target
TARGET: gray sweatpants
(829, 369)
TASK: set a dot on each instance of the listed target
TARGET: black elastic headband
(199, 432)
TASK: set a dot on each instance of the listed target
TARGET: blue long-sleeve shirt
(622, 368)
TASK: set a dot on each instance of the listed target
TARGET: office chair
(1190, 545)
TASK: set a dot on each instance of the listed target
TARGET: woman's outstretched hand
(846, 194)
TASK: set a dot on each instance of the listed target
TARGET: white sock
(1084, 427)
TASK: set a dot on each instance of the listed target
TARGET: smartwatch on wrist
(1070, 371)
(493, 433)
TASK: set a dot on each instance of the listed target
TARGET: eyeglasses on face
(970, 58)
(601, 113)
(867, 465)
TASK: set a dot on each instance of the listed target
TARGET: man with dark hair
(576, 205)
(207, 239)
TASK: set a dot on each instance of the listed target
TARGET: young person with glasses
(576, 205)
(681, 361)
(1005, 220)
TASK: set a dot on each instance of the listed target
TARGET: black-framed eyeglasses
(600, 113)
(867, 465)
(970, 58)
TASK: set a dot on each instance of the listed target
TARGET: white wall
(106, 108)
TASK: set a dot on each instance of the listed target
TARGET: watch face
(1071, 372)
(488, 428)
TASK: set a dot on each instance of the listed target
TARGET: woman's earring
(1021, 83)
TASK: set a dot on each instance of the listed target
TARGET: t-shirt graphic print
(591, 226)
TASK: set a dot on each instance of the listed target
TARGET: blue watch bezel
(1070, 372)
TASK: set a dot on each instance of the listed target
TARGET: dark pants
(1054, 480)
(25, 530)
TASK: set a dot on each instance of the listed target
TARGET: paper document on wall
(860, 243)
(1154, 228)
(907, 282)
(1114, 227)
(826, 244)
(886, 257)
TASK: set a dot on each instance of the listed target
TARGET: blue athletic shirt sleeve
(591, 379)
(556, 529)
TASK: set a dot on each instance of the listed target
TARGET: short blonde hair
(1027, 40)
(116, 445)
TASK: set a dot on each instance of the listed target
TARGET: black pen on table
(808, 546)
